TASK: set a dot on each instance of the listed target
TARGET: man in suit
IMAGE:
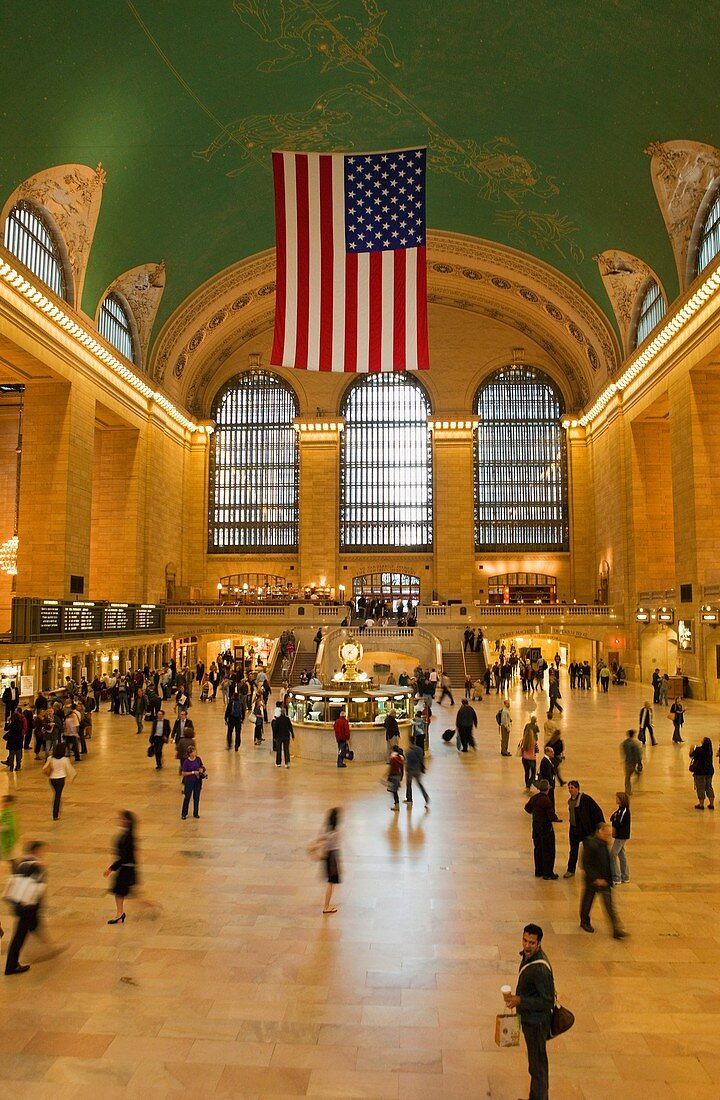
(645, 726)
(159, 736)
(182, 723)
(543, 833)
(597, 866)
(585, 815)
(547, 772)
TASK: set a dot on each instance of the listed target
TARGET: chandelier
(8, 556)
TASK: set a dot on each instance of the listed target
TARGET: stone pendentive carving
(625, 277)
(682, 173)
(143, 288)
(71, 194)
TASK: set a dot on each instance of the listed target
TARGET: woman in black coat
(703, 769)
(124, 866)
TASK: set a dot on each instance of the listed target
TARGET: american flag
(351, 271)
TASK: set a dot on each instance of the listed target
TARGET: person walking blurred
(124, 865)
(31, 866)
(414, 769)
(584, 816)
(58, 769)
(465, 723)
(632, 759)
(645, 725)
(703, 769)
(597, 867)
(328, 843)
(395, 775)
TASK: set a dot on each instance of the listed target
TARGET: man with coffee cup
(534, 999)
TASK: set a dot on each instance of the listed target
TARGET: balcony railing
(451, 614)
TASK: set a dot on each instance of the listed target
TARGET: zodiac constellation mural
(352, 39)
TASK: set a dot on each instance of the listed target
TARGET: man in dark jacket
(414, 769)
(547, 771)
(234, 716)
(159, 736)
(543, 832)
(585, 815)
(534, 998)
(597, 866)
(465, 722)
(282, 731)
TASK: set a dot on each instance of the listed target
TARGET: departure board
(33, 620)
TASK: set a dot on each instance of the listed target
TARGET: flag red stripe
(375, 313)
(327, 263)
(399, 338)
(303, 260)
(423, 354)
(351, 293)
(280, 260)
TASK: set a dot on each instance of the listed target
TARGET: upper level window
(520, 463)
(386, 465)
(709, 244)
(114, 324)
(253, 499)
(652, 311)
(29, 237)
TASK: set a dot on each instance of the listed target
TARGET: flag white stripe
(388, 310)
(363, 313)
(338, 188)
(314, 262)
(291, 261)
(411, 349)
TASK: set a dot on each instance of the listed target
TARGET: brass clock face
(350, 652)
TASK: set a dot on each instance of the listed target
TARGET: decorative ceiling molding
(142, 288)
(71, 194)
(225, 297)
(624, 277)
(490, 279)
(682, 173)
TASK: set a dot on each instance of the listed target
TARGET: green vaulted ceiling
(536, 114)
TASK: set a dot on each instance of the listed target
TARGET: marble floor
(243, 988)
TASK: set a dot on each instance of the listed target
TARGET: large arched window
(386, 465)
(253, 500)
(709, 243)
(520, 463)
(115, 324)
(650, 312)
(28, 236)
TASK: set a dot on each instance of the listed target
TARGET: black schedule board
(35, 620)
(117, 618)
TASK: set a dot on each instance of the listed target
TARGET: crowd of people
(58, 730)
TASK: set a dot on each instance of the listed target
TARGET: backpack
(236, 707)
(498, 717)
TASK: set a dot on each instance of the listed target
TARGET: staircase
(475, 664)
(453, 665)
(276, 677)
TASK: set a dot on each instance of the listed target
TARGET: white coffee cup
(505, 990)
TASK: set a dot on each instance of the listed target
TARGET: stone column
(319, 502)
(55, 489)
(454, 508)
(583, 567)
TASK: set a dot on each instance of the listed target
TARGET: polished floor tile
(240, 987)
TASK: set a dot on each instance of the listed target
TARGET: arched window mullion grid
(386, 466)
(115, 325)
(254, 467)
(29, 237)
(520, 464)
(650, 314)
(709, 244)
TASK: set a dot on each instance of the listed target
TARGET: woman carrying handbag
(58, 768)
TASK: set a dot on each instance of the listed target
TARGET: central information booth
(313, 711)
